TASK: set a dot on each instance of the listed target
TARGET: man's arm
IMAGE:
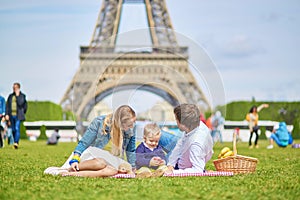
(25, 104)
(197, 158)
(8, 106)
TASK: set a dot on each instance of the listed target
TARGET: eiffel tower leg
(107, 25)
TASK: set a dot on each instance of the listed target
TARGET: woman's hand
(74, 166)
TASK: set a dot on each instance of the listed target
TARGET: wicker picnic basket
(237, 164)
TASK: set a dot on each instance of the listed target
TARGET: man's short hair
(18, 84)
(188, 115)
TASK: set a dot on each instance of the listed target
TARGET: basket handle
(234, 143)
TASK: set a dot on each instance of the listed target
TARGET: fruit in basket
(225, 152)
(228, 153)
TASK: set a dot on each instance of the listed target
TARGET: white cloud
(241, 46)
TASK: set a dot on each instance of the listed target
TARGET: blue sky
(254, 44)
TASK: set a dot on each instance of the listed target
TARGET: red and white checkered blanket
(181, 174)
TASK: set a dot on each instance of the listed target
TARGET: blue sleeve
(168, 141)
(3, 106)
(130, 151)
(89, 136)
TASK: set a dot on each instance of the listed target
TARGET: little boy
(149, 155)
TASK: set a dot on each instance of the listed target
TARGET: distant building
(161, 111)
(100, 109)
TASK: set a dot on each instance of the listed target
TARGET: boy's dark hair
(188, 115)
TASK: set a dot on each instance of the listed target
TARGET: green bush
(43, 110)
(43, 133)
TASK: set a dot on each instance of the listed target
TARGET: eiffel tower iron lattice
(162, 70)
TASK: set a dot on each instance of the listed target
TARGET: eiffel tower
(162, 68)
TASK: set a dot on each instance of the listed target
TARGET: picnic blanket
(215, 173)
(93, 152)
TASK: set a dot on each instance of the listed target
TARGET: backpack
(248, 117)
(215, 123)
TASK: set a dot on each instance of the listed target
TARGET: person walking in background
(2, 113)
(208, 121)
(16, 108)
(202, 118)
(2, 107)
(252, 118)
(217, 125)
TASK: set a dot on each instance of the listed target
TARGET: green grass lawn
(21, 177)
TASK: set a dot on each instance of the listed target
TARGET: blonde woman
(116, 128)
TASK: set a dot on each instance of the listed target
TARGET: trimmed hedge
(42, 110)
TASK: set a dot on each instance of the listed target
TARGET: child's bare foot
(144, 174)
(158, 173)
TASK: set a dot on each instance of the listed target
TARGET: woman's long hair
(123, 115)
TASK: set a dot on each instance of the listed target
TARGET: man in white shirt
(195, 148)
